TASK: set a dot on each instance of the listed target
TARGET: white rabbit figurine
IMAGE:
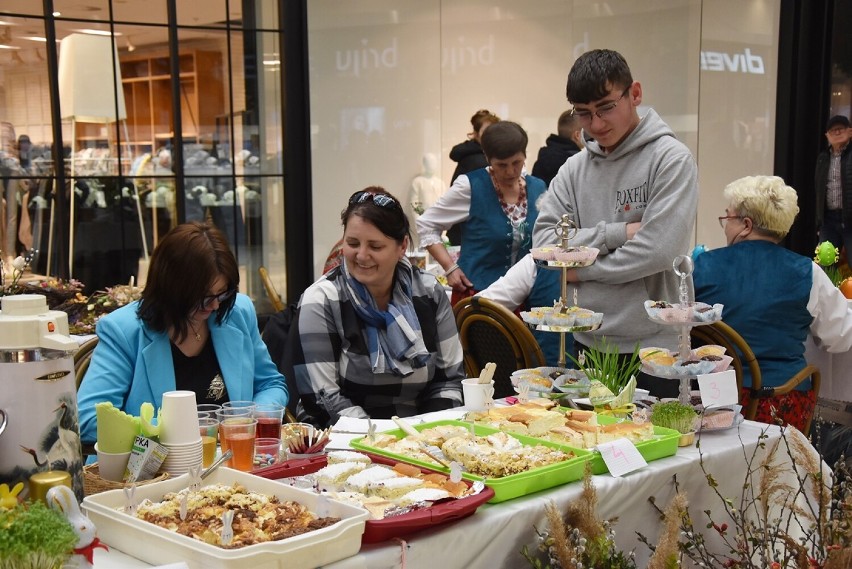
(62, 499)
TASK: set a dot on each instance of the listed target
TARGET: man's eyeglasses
(723, 220)
(381, 200)
(585, 117)
(208, 301)
(837, 130)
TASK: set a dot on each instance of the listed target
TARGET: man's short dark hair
(595, 74)
(568, 124)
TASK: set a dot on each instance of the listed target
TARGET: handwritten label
(621, 456)
(718, 388)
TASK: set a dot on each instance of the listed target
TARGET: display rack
(683, 267)
(565, 230)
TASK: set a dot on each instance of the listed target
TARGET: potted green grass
(675, 415)
(612, 376)
(32, 536)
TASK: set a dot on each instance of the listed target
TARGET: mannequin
(426, 189)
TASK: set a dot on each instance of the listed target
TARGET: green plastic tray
(505, 487)
(664, 445)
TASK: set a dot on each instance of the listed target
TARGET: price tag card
(718, 388)
(621, 456)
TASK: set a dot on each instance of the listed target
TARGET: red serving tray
(397, 526)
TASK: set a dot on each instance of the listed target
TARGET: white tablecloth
(494, 536)
(836, 371)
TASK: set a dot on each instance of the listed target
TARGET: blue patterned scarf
(393, 336)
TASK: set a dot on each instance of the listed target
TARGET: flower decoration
(10, 281)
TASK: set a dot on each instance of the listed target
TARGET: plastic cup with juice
(269, 417)
(238, 434)
(208, 428)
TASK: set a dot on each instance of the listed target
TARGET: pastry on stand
(562, 317)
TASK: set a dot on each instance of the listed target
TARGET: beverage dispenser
(39, 427)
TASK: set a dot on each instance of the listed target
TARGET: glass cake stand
(565, 230)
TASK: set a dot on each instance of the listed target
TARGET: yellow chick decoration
(9, 498)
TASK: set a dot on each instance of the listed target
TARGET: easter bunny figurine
(62, 499)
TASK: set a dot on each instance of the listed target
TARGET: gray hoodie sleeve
(560, 199)
(667, 225)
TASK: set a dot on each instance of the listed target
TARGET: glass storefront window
(145, 148)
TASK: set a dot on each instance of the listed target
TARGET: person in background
(469, 157)
(468, 154)
(376, 336)
(833, 185)
(772, 296)
(633, 195)
(497, 206)
(525, 287)
(190, 331)
(559, 147)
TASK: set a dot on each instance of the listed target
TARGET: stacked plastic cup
(179, 432)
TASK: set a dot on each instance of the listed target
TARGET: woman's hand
(459, 281)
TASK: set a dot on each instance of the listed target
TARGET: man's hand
(632, 228)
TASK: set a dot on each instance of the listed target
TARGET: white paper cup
(179, 418)
(476, 394)
(111, 465)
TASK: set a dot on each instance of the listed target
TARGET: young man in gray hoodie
(633, 196)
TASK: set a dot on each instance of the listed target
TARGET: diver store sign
(745, 62)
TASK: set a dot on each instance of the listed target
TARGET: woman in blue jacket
(190, 331)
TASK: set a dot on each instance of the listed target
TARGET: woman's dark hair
(504, 139)
(183, 267)
(595, 74)
(380, 208)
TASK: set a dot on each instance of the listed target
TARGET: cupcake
(560, 319)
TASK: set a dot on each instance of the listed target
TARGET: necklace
(195, 332)
(516, 212)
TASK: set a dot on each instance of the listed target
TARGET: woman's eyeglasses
(585, 117)
(208, 301)
(381, 200)
(723, 220)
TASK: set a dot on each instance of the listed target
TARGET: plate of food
(720, 418)
(306, 532)
(696, 314)
(401, 498)
(556, 256)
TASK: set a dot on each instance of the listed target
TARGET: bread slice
(567, 436)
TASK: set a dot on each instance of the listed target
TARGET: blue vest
(487, 234)
(546, 289)
(765, 289)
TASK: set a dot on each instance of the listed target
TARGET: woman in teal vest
(497, 205)
(772, 296)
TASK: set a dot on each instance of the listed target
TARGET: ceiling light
(34, 38)
(130, 46)
(92, 32)
(3, 46)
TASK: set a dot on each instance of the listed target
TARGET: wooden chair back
(491, 333)
(722, 334)
(270, 289)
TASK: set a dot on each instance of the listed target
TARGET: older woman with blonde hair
(772, 296)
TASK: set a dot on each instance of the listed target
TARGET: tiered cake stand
(565, 230)
(683, 267)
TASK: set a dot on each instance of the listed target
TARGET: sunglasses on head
(207, 301)
(381, 200)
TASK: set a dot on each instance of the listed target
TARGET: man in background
(833, 185)
(558, 147)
